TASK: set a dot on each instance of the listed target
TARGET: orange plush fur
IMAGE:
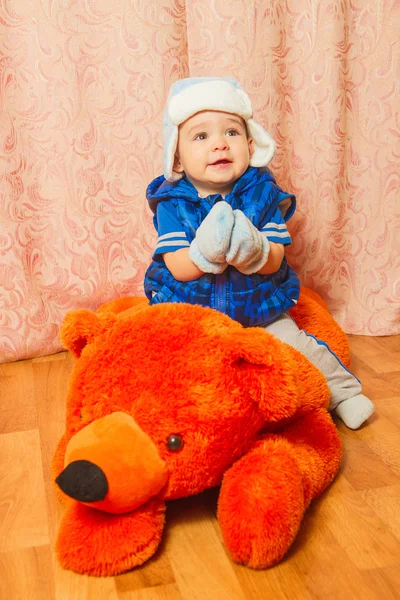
(169, 400)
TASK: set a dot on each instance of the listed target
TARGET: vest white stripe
(175, 234)
(282, 235)
(173, 243)
(275, 226)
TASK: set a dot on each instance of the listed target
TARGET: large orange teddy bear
(169, 400)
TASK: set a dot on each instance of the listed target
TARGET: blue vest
(253, 300)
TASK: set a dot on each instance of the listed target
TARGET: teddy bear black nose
(83, 481)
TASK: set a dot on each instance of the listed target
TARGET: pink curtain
(82, 89)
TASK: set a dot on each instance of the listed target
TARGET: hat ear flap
(81, 327)
(170, 145)
(264, 144)
(267, 371)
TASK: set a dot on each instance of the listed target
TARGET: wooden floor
(348, 546)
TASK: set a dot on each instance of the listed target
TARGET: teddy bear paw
(93, 542)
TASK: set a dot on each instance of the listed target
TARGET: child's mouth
(223, 162)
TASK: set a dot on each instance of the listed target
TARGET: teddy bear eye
(174, 442)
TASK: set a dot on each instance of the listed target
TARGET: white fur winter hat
(189, 96)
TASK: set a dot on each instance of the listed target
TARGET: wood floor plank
(23, 511)
(385, 502)
(322, 563)
(390, 342)
(282, 582)
(27, 574)
(156, 573)
(70, 586)
(161, 592)
(375, 385)
(390, 409)
(200, 564)
(51, 384)
(392, 379)
(382, 437)
(383, 362)
(366, 346)
(17, 392)
(357, 528)
(361, 466)
(365, 470)
(384, 583)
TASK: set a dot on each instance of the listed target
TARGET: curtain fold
(82, 90)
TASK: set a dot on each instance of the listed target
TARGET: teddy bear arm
(317, 451)
(94, 542)
(264, 495)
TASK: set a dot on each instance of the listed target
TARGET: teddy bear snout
(112, 465)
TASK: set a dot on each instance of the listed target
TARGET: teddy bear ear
(266, 368)
(81, 327)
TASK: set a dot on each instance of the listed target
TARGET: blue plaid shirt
(253, 300)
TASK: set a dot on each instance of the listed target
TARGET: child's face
(213, 151)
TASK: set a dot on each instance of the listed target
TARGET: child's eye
(201, 136)
(232, 132)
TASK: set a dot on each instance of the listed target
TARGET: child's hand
(249, 249)
(209, 247)
(214, 234)
(202, 263)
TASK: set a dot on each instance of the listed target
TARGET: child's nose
(220, 143)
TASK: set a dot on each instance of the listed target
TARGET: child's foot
(355, 411)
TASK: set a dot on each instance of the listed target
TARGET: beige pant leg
(341, 382)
